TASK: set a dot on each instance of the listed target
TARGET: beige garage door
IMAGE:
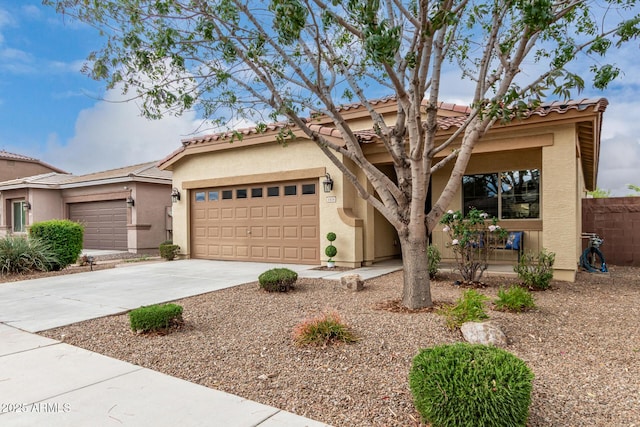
(276, 222)
(105, 223)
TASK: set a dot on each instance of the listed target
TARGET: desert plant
(168, 250)
(468, 308)
(515, 299)
(325, 329)
(472, 239)
(155, 317)
(63, 237)
(278, 280)
(433, 254)
(331, 250)
(464, 385)
(536, 272)
(21, 255)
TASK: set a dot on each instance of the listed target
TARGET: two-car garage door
(274, 222)
(105, 223)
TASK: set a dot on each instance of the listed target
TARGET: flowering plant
(472, 239)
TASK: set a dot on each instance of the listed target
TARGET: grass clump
(465, 385)
(155, 317)
(536, 272)
(514, 299)
(23, 255)
(278, 280)
(468, 308)
(323, 330)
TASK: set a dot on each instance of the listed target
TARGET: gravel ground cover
(582, 343)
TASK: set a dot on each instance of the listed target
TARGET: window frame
(23, 219)
(500, 192)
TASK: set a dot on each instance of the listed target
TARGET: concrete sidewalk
(47, 382)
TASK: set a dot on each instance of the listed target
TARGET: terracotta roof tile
(365, 136)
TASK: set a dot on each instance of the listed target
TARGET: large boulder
(487, 333)
(353, 282)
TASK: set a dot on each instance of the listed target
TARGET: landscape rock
(487, 333)
(353, 282)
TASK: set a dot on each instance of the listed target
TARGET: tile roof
(143, 170)
(147, 170)
(444, 122)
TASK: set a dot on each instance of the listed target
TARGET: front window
(505, 195)
(19, 217)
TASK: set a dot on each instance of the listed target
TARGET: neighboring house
(122, 209)
(257, 201)
(17, 166)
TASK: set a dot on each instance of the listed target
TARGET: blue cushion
(513, 241)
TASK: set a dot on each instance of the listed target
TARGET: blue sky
(49, 110)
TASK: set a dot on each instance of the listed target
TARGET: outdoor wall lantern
(175, 195)
(130, 202)
(327, 183)
(27, 206)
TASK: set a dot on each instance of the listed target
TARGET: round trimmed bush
(470, 385)
(278, 280)
(331, 236)
(331, 251)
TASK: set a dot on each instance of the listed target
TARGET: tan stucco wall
(558, 230)
(560, 213)
(45, 205)
(273, 159)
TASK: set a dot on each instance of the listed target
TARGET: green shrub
(468, 308)
(536, 272)
(331, 250)
(155, 317)
(514, 299)
(168, 250)
(433, 255)
(63, 237)
(464, 385)
(21, 255)
(278, 280)
(323, 330)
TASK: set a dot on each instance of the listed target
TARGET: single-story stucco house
(254, 200)
(126, 209)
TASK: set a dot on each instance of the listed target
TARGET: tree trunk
(416, 292)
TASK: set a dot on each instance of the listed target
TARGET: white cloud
(620, 147)
(111, 135)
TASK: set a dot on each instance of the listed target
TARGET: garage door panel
(290, 232)
(269, 222)
(308, 232)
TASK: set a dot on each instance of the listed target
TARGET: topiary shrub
(433, 255)
(63, 237)
(155, 317)
(468, 308)
(168, 250)
(21, 255)
(323, 330)
(465, 385)
(514, 299)
(536, 272)
(278, 280)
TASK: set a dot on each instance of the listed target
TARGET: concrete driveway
(40, 304)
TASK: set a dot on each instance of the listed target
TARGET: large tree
(294, 58)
